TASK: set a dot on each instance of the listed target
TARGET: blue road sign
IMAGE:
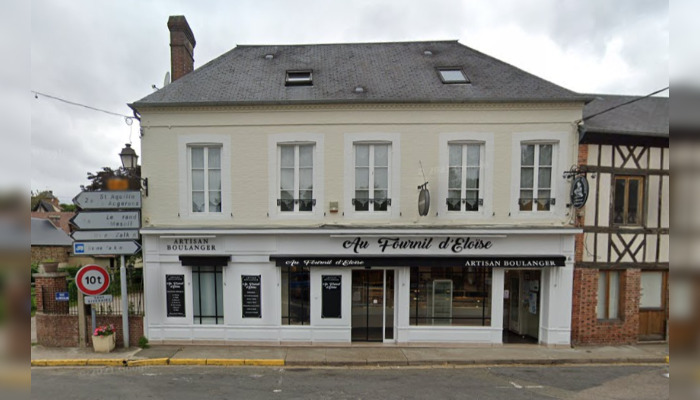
(62, 296)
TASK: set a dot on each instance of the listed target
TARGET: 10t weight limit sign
(92, 280)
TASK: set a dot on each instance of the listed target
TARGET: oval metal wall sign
(423, 202)
(579, 191)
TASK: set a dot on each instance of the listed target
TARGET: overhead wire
(127, 119)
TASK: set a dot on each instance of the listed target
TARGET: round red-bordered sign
(92, 280)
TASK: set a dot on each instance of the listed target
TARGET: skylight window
(299, 78)
(452, 75)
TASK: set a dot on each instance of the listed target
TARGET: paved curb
(114, 362)
(118, 362)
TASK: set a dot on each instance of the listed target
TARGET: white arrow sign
(106, 247)
(108, 200)
(107, 220)
(129, 234)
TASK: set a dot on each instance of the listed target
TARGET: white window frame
(563, 155)
(393, 192)
(290, 139)
(486, 171)
(205, 156)
(185, 143)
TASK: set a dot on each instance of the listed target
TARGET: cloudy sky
(106, 54)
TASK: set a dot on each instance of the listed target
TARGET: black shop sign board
(250, 289)
(175, 295)
(331, 296)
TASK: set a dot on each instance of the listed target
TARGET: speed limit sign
(92, 280)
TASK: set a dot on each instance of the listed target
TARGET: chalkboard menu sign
(175, 295)
(331, 299)
(250, 285)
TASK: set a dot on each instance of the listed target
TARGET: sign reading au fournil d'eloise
(389, 245)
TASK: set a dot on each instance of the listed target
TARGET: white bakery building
(284, 200)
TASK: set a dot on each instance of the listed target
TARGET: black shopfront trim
(205, 261)
(420, 261)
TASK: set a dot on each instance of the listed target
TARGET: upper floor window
(372, 172)
(628, 202)
(205, 173)
(536, 177)
(296, 183)
(464, 173)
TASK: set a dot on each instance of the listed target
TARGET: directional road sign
(92, 279)
(124, 234)
(108, 200)
(106, 247)
(107, 220)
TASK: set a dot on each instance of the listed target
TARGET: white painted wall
(247, 135)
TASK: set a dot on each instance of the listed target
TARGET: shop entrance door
(372, 305)
(521, 306)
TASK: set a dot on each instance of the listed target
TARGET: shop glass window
(205, 172)
(536, 177)
(296, 178)
(629, 195)
(372, 191)
(455, 296)
(608, 295)
(296, 296)
(208, 295)
(463, 179)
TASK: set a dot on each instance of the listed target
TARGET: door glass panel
(652, 283)
(389, 309)
(359, 306)
(375, 307)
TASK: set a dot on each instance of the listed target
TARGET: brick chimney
(181, 47)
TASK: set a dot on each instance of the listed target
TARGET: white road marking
(516, 385)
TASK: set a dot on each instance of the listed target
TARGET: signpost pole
(125, 304)
(94, 319)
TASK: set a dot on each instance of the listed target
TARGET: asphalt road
(512, 383)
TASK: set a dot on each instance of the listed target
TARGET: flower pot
(50, 267)
(104, 344)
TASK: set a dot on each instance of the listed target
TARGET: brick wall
(62, 330)
(57, 330)
(45, 293)
(58, 253)
(586, 329)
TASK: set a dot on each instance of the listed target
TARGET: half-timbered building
(622, 257)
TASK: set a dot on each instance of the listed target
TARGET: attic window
(299, 78)
(452, 75)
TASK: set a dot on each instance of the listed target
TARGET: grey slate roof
(645, 117)
(389, 73)
(44, 233)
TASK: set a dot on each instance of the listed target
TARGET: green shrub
(143, 342)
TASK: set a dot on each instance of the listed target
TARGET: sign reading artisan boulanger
(190, 245)
(420, 261)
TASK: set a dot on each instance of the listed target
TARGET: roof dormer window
(452, 75)
(299, 78)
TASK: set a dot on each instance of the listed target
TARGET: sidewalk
(350, 355)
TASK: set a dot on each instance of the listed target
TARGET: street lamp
(130, 162)
(129, 157)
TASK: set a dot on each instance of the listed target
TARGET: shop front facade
(347, 286)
